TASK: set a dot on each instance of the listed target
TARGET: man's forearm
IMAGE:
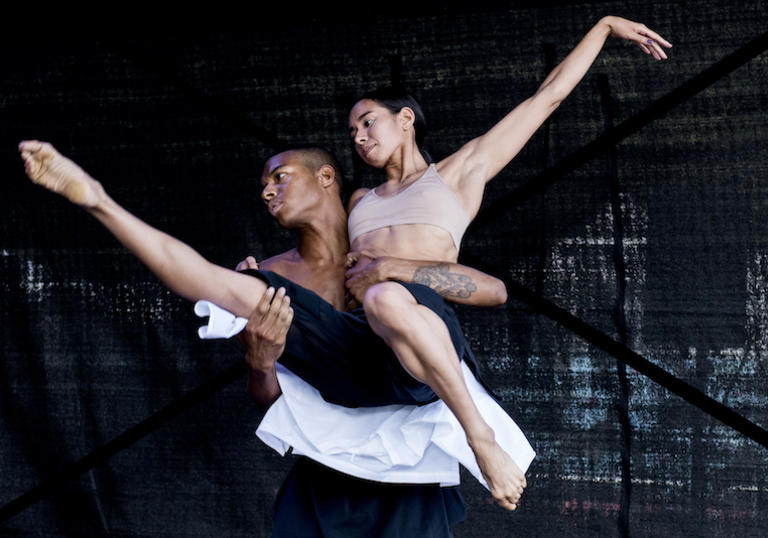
(263, 386)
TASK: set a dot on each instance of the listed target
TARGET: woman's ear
(407, 117)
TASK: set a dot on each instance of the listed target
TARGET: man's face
(291, 189)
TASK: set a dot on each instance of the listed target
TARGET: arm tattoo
(447, 284)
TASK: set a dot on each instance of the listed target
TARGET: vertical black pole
(549, 65)
(619, 316)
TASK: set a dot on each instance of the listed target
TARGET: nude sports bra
(428, 200)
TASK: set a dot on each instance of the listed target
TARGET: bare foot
(47, 167)
(505, 479)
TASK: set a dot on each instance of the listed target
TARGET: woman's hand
(363, 271)
(648, 40)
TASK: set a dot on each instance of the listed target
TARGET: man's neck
(318, 263)
(325, 241)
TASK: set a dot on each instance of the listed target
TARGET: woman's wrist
(606, 24)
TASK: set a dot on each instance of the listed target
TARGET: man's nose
(268, 193)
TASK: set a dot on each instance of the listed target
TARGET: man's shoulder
(280, 262)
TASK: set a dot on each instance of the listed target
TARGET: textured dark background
(175, 125)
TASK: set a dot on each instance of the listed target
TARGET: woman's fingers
(651, 43)
(655, 37)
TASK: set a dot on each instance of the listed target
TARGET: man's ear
(326, 175)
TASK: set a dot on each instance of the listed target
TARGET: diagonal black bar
(688, 392)
(124, 440)
(631, 125)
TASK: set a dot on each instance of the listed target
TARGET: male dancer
(314, 498)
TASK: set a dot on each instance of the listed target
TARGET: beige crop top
(428, 200)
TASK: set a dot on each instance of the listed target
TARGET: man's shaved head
(315, 157)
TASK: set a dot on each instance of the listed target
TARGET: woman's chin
(370, 160)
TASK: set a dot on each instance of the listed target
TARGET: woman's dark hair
(394, 99)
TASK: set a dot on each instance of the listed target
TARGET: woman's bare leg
(176, 264)
(423, 345)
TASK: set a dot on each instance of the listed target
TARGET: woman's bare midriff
(408, 241)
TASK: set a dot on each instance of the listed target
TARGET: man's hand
(264, 336)
(364, 270)
(264, 341)
(247, 263)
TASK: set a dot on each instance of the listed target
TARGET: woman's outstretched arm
(176, 264)
(478, 161)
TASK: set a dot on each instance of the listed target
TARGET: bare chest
(327, 282)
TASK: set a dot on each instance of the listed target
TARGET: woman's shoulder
(356, 197)
(451, 168)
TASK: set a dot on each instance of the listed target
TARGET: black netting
(176, 125)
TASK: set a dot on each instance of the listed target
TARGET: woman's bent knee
(387, 300)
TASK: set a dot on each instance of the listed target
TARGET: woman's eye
(368, 123)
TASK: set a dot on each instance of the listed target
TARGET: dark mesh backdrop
(175, 125)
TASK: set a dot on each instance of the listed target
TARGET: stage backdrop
(176, 125)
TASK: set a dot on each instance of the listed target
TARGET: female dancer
(422, 210)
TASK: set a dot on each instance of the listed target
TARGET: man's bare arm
(264, 341)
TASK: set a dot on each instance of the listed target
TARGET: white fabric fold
(393, 443)
(221, 323)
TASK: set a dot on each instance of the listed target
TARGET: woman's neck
(405, 162)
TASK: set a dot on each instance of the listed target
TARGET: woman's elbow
(551, 95)
(499, 294)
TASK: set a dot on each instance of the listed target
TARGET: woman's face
(375, 131)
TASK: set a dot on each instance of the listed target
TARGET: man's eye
(279, 176)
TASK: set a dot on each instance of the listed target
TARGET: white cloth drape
(393, 443)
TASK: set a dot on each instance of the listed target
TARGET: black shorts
(316, 501)
(339, 354)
